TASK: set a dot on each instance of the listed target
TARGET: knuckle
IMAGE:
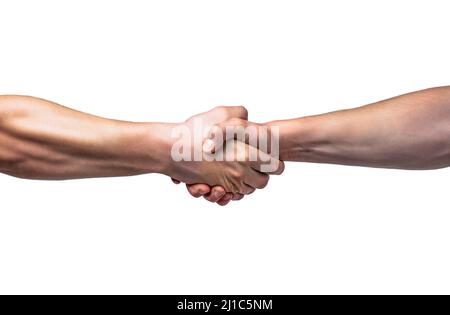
(221, 110)
(236, 122)
(237, 174)
(243, 112)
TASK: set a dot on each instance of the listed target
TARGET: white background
(316, 229)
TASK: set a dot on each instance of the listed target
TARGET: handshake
(219, 154)
(222, 156)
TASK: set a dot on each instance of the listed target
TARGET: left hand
(218, 115)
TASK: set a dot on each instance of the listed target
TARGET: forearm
(407, 132)
(42, 140)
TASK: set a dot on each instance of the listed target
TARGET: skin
(43, 140)
(410, 132)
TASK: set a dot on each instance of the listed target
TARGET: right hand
(223, 181)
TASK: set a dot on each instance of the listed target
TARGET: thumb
(233, 129)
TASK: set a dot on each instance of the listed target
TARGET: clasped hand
(229, 167)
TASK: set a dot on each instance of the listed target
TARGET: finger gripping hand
(240, 174)
(257, 135)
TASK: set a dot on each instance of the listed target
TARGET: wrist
(147, 147)
(300, 139)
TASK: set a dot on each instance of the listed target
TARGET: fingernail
(208, 146)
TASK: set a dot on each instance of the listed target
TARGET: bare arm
(43, 140)
(411, 131)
